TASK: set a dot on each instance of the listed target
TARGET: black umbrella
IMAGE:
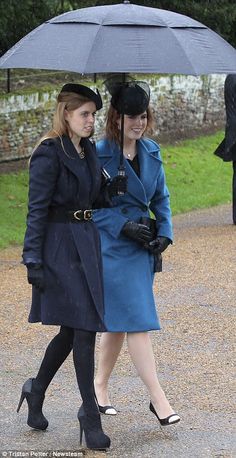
(123, 38)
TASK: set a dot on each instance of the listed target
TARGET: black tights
(82, 343)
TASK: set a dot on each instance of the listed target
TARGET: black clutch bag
(151, 224)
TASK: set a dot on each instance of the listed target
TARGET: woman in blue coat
(62, 253)
(131, 250)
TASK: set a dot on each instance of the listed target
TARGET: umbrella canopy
(123, 38)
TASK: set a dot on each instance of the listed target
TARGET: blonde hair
(112, 130)
(69, 101)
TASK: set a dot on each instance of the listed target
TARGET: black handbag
(151, 224)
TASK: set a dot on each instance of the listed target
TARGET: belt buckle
(77, 215)
(87, 214)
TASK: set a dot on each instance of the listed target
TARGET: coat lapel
(110, 157)
(71, 160)
(140, 188)
(69, 155)
(150, 163)
(94, 167)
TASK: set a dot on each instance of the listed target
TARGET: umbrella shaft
(122, 141)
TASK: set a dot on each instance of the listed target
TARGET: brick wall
(184, 106)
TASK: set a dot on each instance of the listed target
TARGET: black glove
(117, 185)
(159, 245)
(138, 232)
(35, 275)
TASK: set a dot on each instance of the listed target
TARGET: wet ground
(196, 297)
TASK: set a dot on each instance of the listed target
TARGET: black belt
(61, 215)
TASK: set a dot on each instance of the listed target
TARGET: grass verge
(195, 177)
(13, 207)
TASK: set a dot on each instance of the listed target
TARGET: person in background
(227, 148)
(62, 254)
(132, 243)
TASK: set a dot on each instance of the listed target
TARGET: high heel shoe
(171, 420)
(107, 410)
(91, 426)
(36, 419)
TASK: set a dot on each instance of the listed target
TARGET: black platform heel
(91, 426)
(34, 399)
(171, 420)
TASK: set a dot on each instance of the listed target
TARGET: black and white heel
(107, 410)
(171, 420)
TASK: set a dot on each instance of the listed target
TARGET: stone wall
(184, 106)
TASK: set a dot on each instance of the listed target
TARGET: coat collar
(71, 160)
(149, 161)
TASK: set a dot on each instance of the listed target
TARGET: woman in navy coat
(129, 246)
(62, 253)
(227, 148)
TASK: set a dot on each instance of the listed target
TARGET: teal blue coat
(128, 269)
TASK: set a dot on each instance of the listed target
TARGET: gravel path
(196, 296)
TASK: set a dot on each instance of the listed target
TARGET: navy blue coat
(69, 252)
(128, 267)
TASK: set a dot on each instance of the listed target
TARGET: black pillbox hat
(85, 92)
(130, 97)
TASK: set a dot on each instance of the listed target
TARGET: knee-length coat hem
(68, 324)
(133, 330)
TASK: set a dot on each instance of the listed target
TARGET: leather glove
(159, 245)
(138, 232)
(117, 185)
(35, 275)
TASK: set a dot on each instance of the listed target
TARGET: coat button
(124, 211)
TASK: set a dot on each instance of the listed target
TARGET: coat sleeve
(160, 206)
(44, 166)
